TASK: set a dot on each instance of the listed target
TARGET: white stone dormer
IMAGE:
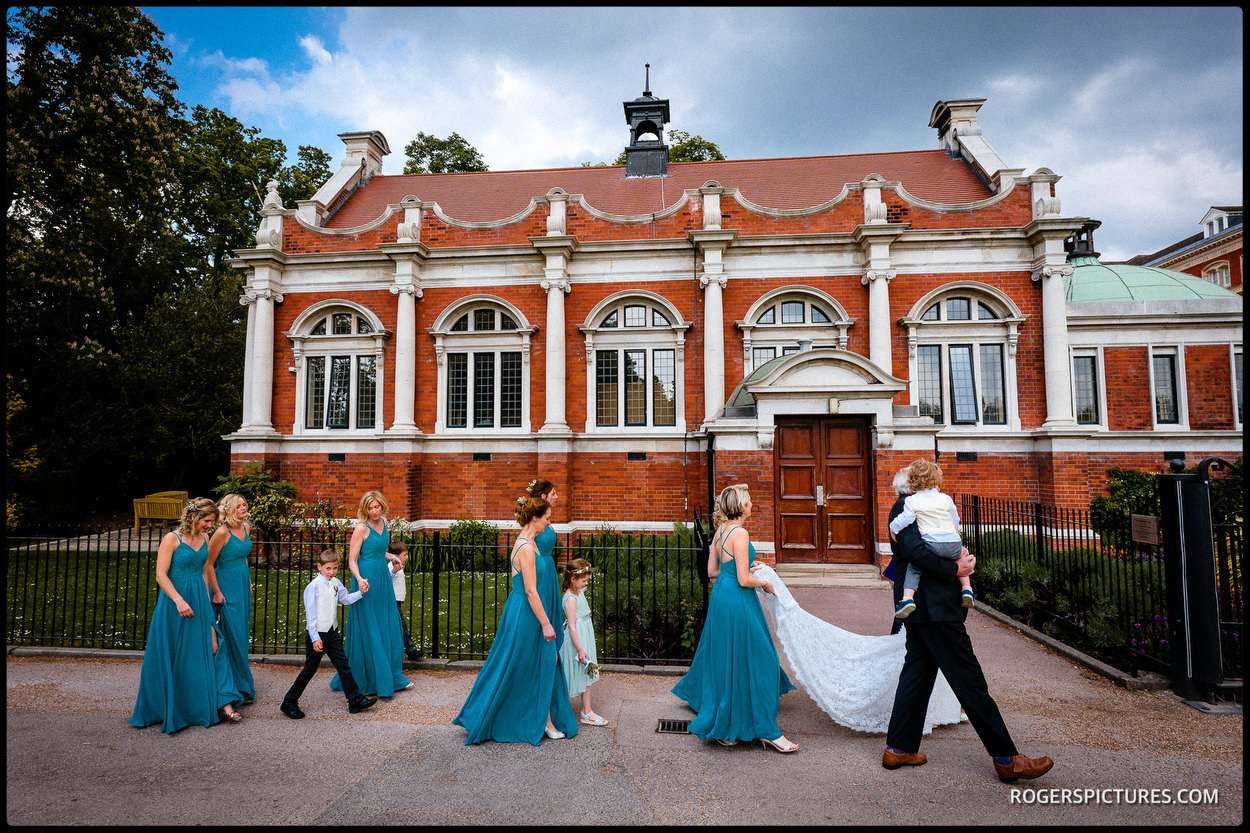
(960, 135)
(362, 159)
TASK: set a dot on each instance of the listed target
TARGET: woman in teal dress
(374, 643)
(518, 695)
(735, 681)
(185, 679)
(231, 586)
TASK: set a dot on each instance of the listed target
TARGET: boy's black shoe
(360, 704)
(415, 654)
(291, 710)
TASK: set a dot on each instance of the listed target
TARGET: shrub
(269, 502)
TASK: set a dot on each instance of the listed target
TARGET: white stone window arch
(961, 357)
(635, 365)
(782, 320)
(1218, 274)
(482, 347)
(337, 348)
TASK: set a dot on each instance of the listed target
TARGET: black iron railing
(96, 588)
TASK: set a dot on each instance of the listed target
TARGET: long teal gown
(235, 583)
(551, 596)
(181, 682)
(520, 683)
(374, 643)
(735, 681)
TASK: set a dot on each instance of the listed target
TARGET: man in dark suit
(937, 639)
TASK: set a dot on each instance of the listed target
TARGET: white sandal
(591, 719)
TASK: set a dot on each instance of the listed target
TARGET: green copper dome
(1093, 281)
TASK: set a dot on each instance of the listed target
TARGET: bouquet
(592, 670)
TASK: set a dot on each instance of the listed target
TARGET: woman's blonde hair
(362, 511)
(575, 568)
(196, 509)
(527, 509)
(923, 474)
(228, 508)
(731, 504)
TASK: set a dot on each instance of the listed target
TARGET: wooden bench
(159, 508)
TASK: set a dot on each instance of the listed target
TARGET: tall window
(483, 352)
(776, 324)
(635, 344)
(1239, 404)
(961, 357)
(1163, 379)
(1085, 390)
(337, 355)
(1218, 274)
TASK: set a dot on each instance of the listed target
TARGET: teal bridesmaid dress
(549, 590)
(235, 619)
(373, 641)
(181, 682)
(519, 684)
(735, 681)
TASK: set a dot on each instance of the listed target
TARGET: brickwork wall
(1209, 386)
(1128, 388)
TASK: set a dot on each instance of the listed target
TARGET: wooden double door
(823, 490)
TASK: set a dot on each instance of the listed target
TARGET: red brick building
(1213, 254)
(644, 334)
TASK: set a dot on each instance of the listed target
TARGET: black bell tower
(647, 155)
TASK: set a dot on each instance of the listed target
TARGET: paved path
(72, 758)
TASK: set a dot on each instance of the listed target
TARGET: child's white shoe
(554, 734)
(592, 719)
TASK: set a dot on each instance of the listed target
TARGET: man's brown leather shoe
(1022, 767)
(894, 760)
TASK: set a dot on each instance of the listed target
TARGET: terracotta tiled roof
(799, 182)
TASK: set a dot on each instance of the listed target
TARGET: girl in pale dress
(578, 654)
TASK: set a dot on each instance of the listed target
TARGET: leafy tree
(682, 147)
(92, 134)
(301, 180)
(432, 155)
(21, 464)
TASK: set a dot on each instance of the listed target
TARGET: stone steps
(831, 575)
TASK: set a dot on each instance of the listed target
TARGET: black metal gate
(1204, 544)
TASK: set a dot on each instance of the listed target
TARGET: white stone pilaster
(558, 249)
(879, 330)
(248, 299)
(713, 243)
(1059, 412)
(261, 418)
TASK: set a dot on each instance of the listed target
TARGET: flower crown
(530, 487)
(581, 570)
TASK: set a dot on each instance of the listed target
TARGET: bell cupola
(646, 155)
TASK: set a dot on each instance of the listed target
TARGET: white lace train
(851, 677)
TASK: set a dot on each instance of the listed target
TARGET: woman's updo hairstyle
(731, 504)
(195, 510)
(540, 488)
(529, 508)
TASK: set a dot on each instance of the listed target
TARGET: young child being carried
(938, 521)
(578, 653)
(321, 598)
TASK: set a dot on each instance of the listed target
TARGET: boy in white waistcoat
(321, 598)
(937, 520)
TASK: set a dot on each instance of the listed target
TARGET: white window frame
(1100, 384)
(1003, 330)
(306, 345)
(783, 338)
(471, 341)
(1177, 351)
(650, 337)
(1235, 352)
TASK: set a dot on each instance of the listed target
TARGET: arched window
(961, 356)
(482, 344)
(337, 348)
(1218, 274)
(781, 320)
(635, 357)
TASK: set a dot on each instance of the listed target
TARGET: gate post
(1189, 568)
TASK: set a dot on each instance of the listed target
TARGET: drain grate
(673, 727)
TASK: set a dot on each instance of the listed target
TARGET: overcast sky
(1139, 110)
